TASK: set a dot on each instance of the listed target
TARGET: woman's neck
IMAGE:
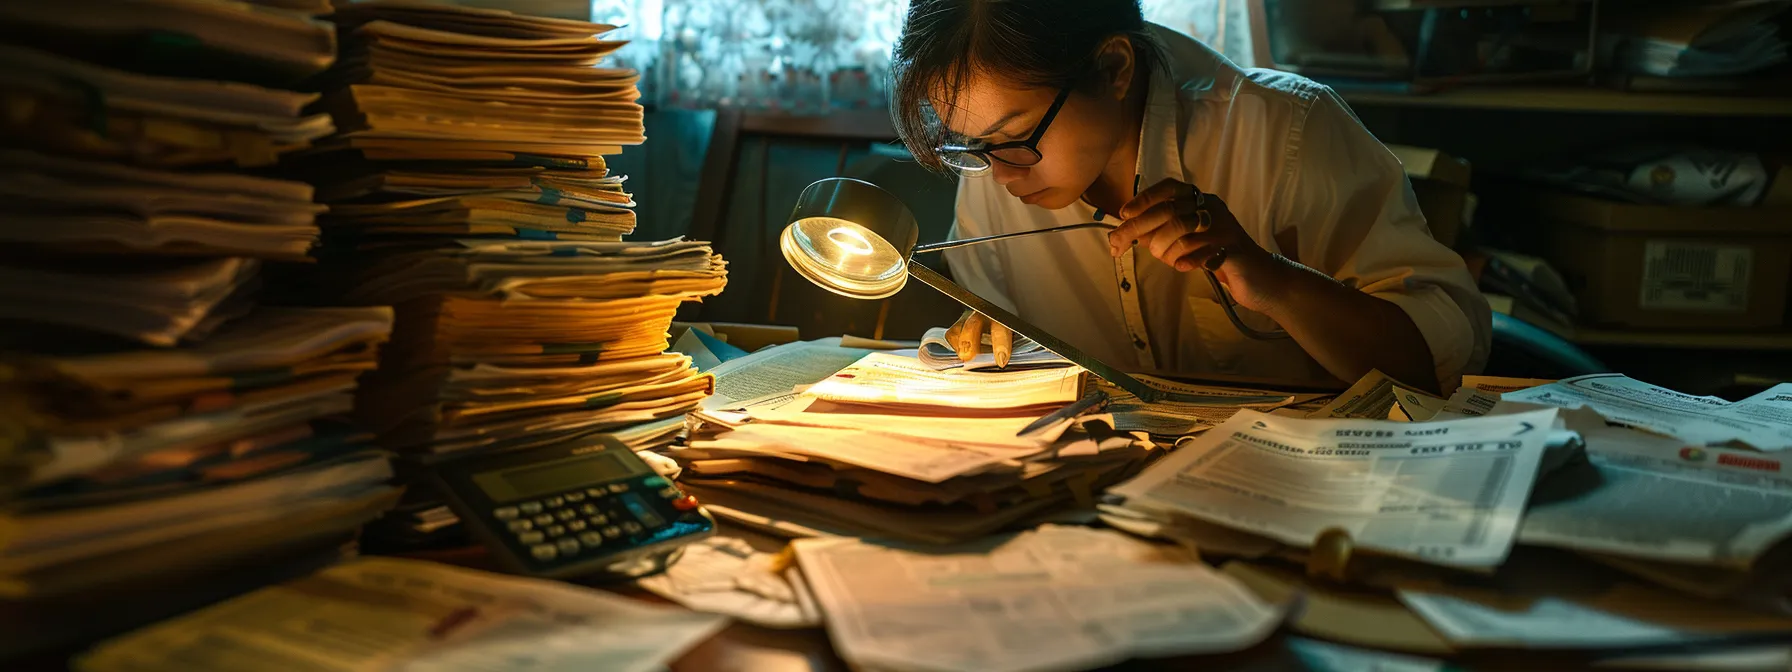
(1114, 186)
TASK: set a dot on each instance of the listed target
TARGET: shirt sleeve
(978, 268)
(1349, 204)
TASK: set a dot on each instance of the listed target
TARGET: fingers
(970, 338)
(1001, 339)
(1139, 227)
(957, 328)
(1165, 190)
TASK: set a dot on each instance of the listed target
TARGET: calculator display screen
(565, 474)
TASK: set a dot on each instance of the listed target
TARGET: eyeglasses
(1020, 153)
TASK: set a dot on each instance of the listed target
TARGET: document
(1654, 498)
(1446, 492)
(1054, 598)
(884, 378)
(1376, 396)
(939, 355)
(726, 575)
(1763, 421)
(1553, 600)
(778, 369)
(388, 614)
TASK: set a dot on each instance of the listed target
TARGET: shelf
(1760, 340)
(1578, 99)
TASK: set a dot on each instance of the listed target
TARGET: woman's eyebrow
(1004, 121)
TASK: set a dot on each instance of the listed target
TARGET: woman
(1066, 111)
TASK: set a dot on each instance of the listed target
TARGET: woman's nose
(1004, 173)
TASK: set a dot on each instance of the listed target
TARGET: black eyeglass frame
(986, 153)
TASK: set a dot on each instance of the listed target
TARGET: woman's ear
(1116, 62)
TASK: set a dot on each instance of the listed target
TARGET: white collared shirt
(1302, 176)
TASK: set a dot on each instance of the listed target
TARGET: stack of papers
(203, 112)
(890, 447)
(390, 614)
(1709, 39)
(173, 453)
(430, 81)
(467, 189)
(1504, 530)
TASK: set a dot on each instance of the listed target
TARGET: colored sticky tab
(549, 196)
(575, 215)
(564, 252)
(536, 234)
(570, 348)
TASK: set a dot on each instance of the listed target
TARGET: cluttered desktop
(344, 355)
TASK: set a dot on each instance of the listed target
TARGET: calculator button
(631, 527)
(531, 537)
(618, 487)
(544, 552)
(669, 493)
(590, 510)
(555, 531)
(600, 520)
(595, 492)
(568, 546)
(591, 539)
(655, 482)
(575, 496)
(504, 512)
(554, 502)
(566, 514)
(685, 503)
(544, 519)
(521, 526)
(612, 532)
(530, 508)
(575, 525)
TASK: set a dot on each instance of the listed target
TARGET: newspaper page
(1763, 421)
(777, 369)
(1550, 599)
(1447, 492)
(388, 614)
(1054, 598)
(1654, 498)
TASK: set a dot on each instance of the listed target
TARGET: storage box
(1671, 267)
(1440, 182)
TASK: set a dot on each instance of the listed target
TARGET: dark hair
(1044, 43)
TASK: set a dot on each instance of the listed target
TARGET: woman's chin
(1050, 199)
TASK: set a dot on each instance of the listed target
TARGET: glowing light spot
(850, 241)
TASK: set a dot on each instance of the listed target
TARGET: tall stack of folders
(161, 429)
(468, 189)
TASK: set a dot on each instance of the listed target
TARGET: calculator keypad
(565, 525)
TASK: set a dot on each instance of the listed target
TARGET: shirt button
(1125, 286)
(1138, 343)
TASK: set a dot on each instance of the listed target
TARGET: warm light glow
(850, 241)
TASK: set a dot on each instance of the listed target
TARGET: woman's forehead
(985, 101)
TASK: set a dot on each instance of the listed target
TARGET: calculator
(580, 508)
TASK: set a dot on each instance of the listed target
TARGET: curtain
(813, 56)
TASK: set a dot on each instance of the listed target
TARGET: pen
(1096, 399)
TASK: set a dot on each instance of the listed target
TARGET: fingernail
(1001, 359)
(1183, 266)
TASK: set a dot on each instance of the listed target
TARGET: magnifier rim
(802, 261)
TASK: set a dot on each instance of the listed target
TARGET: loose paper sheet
(1654, 498)
(1763, 421)
(391, 614)
(1447, 492)
(1055, 598)
(884, 378)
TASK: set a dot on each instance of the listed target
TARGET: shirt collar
(1160, 143)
